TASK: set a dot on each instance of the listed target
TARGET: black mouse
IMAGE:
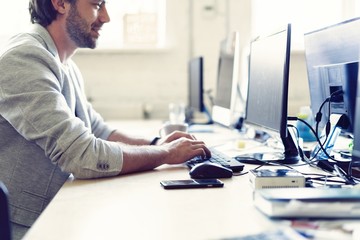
(210, 170)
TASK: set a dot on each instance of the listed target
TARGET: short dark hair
(43, 12)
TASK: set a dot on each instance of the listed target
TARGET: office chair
(5, 232)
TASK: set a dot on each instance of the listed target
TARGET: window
(14, 19)
(304, 15)
(134, 23)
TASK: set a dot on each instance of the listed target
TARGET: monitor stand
(289, 156)
(337, 123)
(198, 118)
(199, 122)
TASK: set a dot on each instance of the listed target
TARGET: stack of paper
(309, 202)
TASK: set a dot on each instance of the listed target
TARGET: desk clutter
(271, 186)
(286, 193)
(276, 178)
(303, 230)
(318, 203)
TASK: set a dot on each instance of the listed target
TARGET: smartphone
(191, 183)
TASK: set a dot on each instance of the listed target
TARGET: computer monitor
(228, 75)
(196, 103)
(267, 99)
(332, 59)
(355, 161)
(196, 76)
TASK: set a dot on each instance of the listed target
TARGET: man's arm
(175, 148)
(141, 158)
(117, 136)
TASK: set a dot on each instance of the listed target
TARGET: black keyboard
(218, 158)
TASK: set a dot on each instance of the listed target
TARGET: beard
(77, 28)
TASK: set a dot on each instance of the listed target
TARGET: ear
(59, 6)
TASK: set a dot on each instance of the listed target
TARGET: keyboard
(218, 158)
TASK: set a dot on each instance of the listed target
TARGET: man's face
(83, 27)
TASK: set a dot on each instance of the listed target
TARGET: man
(48, 129)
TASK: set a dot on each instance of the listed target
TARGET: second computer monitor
(268, 82)
(228, 75)
(332, 59)
(355, 163)
(267, 98)
(196, 81)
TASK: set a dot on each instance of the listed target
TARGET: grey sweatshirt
(48, 130)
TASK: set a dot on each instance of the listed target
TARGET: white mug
(171, 127)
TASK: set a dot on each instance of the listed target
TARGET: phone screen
(191, 183)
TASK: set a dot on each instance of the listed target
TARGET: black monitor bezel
(282, 131)
(290, 155)
(196, 80)
(356, 140)
(355, 155)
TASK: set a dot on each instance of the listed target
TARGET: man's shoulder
(36, 40)
(21, 43)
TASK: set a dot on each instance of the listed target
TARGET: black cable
(311, 160)
(318, 120)
(342, 174)
(316, 136)
(325, 163)
(319, 113)
(346, 176)
(318, 116)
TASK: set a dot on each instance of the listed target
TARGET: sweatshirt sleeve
(32, 100)
(98, 126)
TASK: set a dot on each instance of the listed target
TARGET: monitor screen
(267, 97)
(268, 83)
(356, 133)
(196, 79)
(332, 59)
(228, 74)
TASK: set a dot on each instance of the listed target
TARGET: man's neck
(65, 46)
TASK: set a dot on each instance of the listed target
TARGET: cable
(342, 174)
(316, 136)
(318, 120)
(319, 113)
(346, 176)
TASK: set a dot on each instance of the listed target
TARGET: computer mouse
(210, 170)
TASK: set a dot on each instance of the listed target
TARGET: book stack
(327, 203)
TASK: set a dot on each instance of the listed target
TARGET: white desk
(135, 206)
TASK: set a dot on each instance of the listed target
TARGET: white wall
(121, 83)
(298, 87)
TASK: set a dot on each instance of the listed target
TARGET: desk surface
(135, 206)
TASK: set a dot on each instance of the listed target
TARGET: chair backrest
(5, 232)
